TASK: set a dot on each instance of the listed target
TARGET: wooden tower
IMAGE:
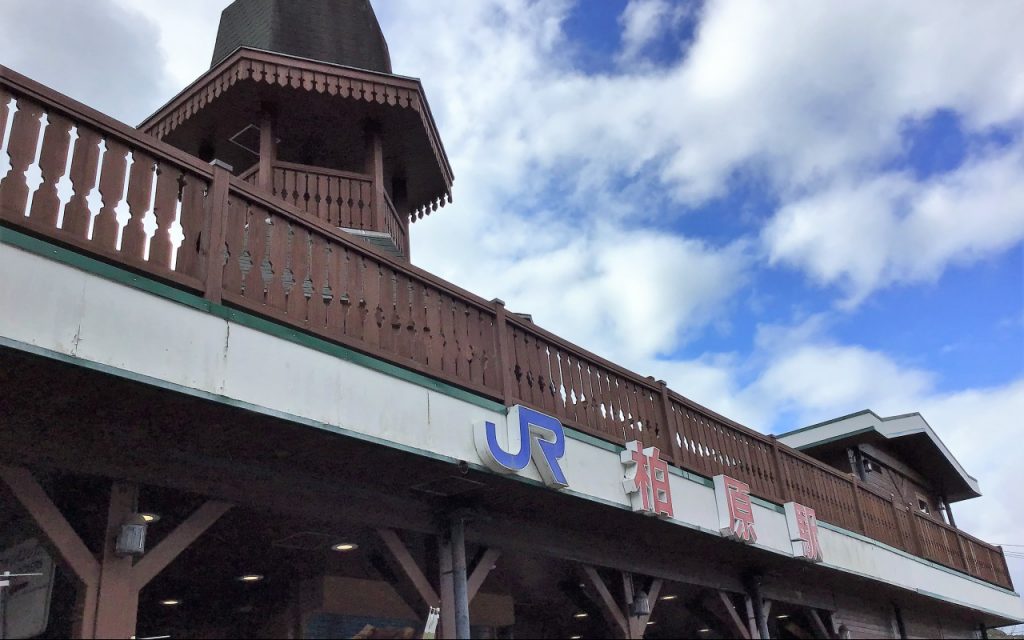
(301, 103)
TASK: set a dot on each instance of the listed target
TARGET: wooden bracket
(412, 570)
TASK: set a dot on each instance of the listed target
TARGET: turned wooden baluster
(84, 167)
(53, 161)
(21, 149)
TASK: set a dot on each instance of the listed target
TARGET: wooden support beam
(755, 633)
(63, 538)
(481, 570)
(52, 523)
(652, 598)
(816, 623)
(611, 608)
(117, 608)
(268, 152)
(177, 541)
(412, 570)
(741, 629)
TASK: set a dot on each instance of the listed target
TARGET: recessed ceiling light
(782, 616)
(580, 615)
(170, 602)
(650, 623)
(149, 518)
(250, 577)
(345, 546)
(704, 630)
(575, 637)
(669, 597)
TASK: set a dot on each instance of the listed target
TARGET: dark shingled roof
(344, 32)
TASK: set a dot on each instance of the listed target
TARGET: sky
(790, 211)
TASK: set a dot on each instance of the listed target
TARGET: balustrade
(81, 179)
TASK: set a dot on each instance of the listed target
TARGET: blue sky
(788, 210)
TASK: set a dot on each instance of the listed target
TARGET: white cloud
(892, 229)
(644, 21)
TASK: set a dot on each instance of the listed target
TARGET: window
(922, 505)
(871, 465)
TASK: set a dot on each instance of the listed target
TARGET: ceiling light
(170, 602)
(250, 577)
(650, 623)
(580, 615)
(575, 637)
(345, 546)
(704, 630)
(669, 597)
(149, 518)
(782, 616)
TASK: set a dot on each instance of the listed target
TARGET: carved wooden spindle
(84, 167)
(193, 221)
(53, 162)
(5, 100)
(115, 165)
(21, 149)
(140, 190)
(165, 209)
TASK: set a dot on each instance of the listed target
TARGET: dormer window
(871, 465)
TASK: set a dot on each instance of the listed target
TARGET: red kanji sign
(735, 512)
(803, 531)
(646, 480)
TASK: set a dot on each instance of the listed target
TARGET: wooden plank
(409, 566)
(118, 604)
(112, 175)
(84, 165)
(157, 559)
(611, 608)
(21, 149)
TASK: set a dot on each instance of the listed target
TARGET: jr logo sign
(539, 437)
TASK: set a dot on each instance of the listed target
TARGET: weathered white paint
(54, 307)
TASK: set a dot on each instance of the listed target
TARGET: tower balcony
(342, 199)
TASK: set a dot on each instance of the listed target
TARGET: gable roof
(910, 434)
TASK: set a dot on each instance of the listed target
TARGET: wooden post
(446, 585)
(458, 542)
(375, 168)
(669, 424)
(857, 504)
(504, 364)
(268, 152)
(118, 604)
(757, 602)
(212, 249)
(949, 512)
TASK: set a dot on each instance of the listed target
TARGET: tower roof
(342, 32)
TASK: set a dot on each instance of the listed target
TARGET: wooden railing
(123, 197)
(338, 198)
